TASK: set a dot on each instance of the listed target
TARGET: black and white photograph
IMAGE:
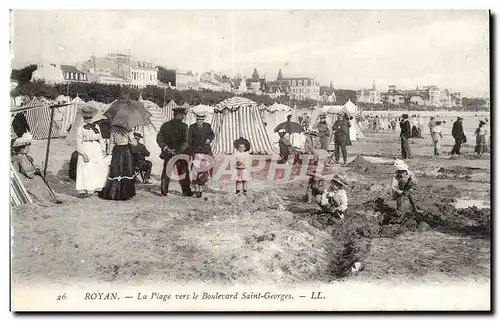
(250, 160)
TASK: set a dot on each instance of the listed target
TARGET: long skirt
(91, 176)
(324, 140)
(481, 146)
(120, 184)
(405, 148)
(38, 190)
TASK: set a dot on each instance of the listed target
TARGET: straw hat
(322, 115)
(138, 135)
(88, 111)
(243, 141)
(313, 132)
(400, 165)
(202, 114)
(23, 140)
(339, 181)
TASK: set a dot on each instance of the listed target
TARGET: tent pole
(48, 142)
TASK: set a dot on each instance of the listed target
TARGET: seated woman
(29, 173)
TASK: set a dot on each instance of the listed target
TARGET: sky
(449, 49)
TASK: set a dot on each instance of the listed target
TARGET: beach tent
(157, 115)
(276, 114)
(350, 108)
(18, 193)
(168, 110)
(39, 119)
(69, 114)
(238, 117)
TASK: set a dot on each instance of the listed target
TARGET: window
(300, 83)
(293, 83)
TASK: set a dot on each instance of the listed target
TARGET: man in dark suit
(458, 133)
(404, 136)
(200, 135)
(341, 137)
(139, 154)
(172, 139)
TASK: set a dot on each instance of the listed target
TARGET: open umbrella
(127, 113)
(291, 127)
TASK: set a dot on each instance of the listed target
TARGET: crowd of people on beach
(111, 169)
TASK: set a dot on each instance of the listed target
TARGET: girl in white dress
(91, 169)
(352, 129)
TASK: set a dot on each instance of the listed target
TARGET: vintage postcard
(259, 160)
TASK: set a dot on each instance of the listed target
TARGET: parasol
(127, 113)
(291, 127)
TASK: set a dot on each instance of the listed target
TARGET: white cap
(400, 165)
(282, 130)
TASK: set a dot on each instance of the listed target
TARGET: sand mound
(461, 170)
(362, 165)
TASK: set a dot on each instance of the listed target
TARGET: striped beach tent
(238, 117)
(186, 106)
(168, 110)
(69, 114)
(157, 113)
(18, 193)
(39, 119)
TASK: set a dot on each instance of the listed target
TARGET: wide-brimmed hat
(22, 141)
(200, 114)
(482, 122)
(138, 135)
(281, 131)
(88, 111)
(400, 165)
(180, 109)
(322, 115)
(313, 132)
(339, 181)
(243, 141)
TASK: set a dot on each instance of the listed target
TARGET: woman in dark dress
(120, 184)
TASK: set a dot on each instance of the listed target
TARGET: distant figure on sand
(458, 134)
(404, 136)
(341, 137)
(323, 131)
(481, 133)
(437, 137)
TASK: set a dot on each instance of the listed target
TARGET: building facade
(327, 94)
(369, 96)
(55, 73)
(394, 96)
(186, 79)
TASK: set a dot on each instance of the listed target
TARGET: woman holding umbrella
(124, 115)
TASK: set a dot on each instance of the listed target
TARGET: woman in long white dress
(352, 129)
(92, 168)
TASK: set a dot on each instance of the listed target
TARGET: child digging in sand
(241, 158)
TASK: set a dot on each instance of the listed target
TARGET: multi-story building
(213, 81)
(393, 96)
(301, 88)
(118, 68)
(327, 94)
(55, 73)
(256, 84)
(142, 73)
(186, 79)
(369, 96)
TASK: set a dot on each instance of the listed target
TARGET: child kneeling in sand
(241, 159)
(334, 198)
